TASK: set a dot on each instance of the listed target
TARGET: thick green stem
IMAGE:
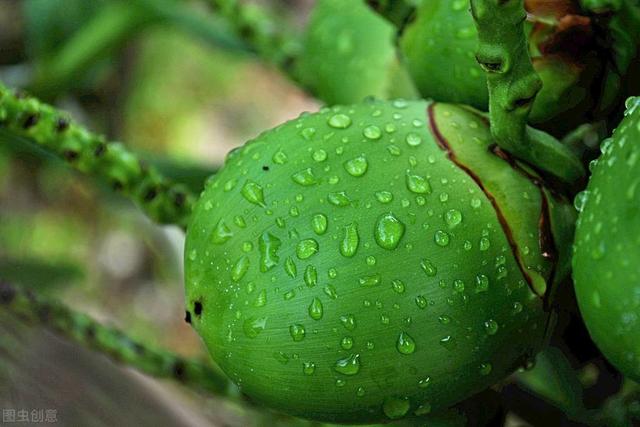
(36, 309)
(513, 85)
(51, 130)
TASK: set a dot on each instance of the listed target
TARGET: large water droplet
(357, 166)
(395, 408)
(350, 241)
(319, 223)
(268, 245)
(290, 267)
(405, 344)
(413, 139)
(315, 309)
(491, 327)
(279, 157)
(308, 368)
(339, 198)
(441, 238)
(428, 267)
(453, 217)
(372, 132)
(221, 233)
(348, 321)
(388, 232)
(306, 248)
(305, 177)
(349, 365)
(253, 326)
(371, 280)
(418, 184)
(449, 342)
(252, 192)
(346, 343)
(240, 268)
(384, 196)
(297, 332)
(310, 276)
(339, 121)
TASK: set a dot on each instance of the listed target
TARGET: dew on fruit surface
(413, 139)
(357, 166)
(310, 276)
(350, 240)
(348, 321)
(475, 203)
(279, 157)
(424, 382)
(289, 295)
(370, 280)
(319, 223)
(371, 260)
(261, 300)
(339, 121)
(332, 273)
(423, 409)
(315, 309)
(253, 193)
(346, 343)
(340, 382)
(193, 255)
(306, 248)
(443, 197)
(631, 104)
(398, 286)
(441, 238)
(388, 231)
(428, 267)
(517, 307)
(281, 357)
(444, 319)
(482, 283)
(384, 319)
(449, 342)
(394, 150)
(319, 155)
(453, 218)
(418, 184)
(580, 200)
(485, 243)
(349, 365)
(330, 291)
(360, 392)
(290, 267)
(297, 332)
(221, 233)
(339, 198)
(384, 196)
(405, 344)
(372, 132)
(253, 326)
(491, 327)
(458, 285)
(268, 246)
(421, 302)
(308, 368)
(394, 407)
(485, 368)
(304, 177)
(240, 268)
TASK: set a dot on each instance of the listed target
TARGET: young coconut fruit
(606, 264)
(439, 47)
(374, 261)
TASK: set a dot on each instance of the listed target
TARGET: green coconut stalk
(513, 85)
(39, 310)
(28, 119)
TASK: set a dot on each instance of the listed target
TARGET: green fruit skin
(419, 316)
(439, 49)
(606, 263)
(349, 54)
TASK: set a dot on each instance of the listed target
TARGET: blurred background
(177, 85)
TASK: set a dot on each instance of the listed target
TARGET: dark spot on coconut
(197, 308)
(31, 120)
(265, 168)
(62, 124)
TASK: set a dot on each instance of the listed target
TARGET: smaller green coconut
(606, 264)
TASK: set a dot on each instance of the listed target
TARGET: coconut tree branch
(79, 328)
(513, 85)
(262, 33)
(26, 118)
